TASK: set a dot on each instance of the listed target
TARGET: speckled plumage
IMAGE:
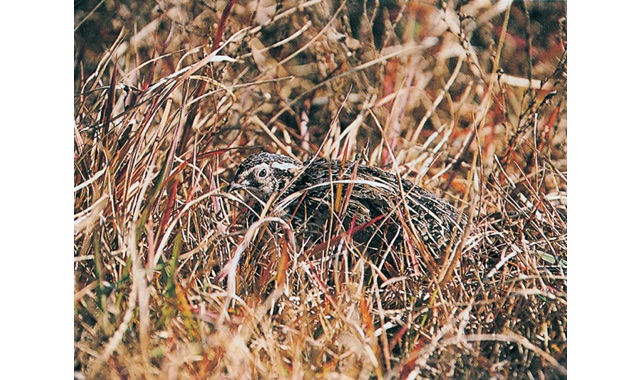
(310, 193)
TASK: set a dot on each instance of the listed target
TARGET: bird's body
(366, 201)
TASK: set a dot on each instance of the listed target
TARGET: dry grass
(170, 282)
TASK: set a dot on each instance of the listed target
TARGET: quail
(368, 202)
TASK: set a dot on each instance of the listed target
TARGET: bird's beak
(236, 185)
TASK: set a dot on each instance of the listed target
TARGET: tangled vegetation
(466, 99)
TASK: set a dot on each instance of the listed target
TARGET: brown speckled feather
(313, 194)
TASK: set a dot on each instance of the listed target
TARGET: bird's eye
(262, 173)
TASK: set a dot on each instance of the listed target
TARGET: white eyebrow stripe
(283, 166)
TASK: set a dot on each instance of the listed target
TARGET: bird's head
(264, 174)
